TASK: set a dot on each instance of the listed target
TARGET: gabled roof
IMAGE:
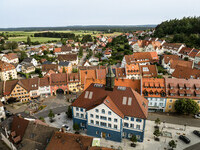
(148, 71)
(137, 107)
(167, 58)
(175, 63)
(58, 79)
(69, 141)
(193, 53)
(11, 56)
(67, 57)
(4, 66)
(44, 81)
(186, 73)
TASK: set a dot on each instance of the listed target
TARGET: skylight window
(124, 100)
(145, 69)
(86, 94)
(129, 101)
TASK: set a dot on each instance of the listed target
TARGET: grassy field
(22, 35)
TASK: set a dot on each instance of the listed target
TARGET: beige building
(7, 71)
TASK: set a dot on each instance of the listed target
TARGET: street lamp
(185, 126)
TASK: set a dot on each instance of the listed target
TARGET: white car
(197, 116)
(67, 128)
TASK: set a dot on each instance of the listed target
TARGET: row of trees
(55, 35)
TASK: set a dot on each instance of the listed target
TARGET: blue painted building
(111, 112)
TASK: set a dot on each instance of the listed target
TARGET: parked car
(184, 139)
(197, 116)
(67, 128)
(196, 133)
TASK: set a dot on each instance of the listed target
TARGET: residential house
(72, 58)
(65, 49)
(186, 73)
(69, 141)
(179, 89)
(166, 60)
(31, 60)
(111, 112)
(175, 63)
(197, 58)
(11, 58)
(153, 89)
(47, 67)
(94, 61)
(65, 67)
(74, 82)
(148, 71)
(120, 73)
(44, 87)
(132, 71)
(173, 48)
(2, 98)
(25, 67)
(86, 63)
(184, 52)
(142, 58)
(193, 54)
(7, 71)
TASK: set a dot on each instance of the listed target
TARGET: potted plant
(76, 128)
(134, 140)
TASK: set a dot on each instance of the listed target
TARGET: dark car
(196, 133)
(184, 139)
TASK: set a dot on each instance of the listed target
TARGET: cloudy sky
(42, 13)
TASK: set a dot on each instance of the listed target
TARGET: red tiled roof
(186, 73)
(167, 58)
(11, 56)
(138, 107)
(69, 141)
(4, 66)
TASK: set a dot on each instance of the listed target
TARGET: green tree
(186, 106)
(51, 115)
(156, 133)
(28, 40)
(63, 70)
(172, 144)
(69, 112)
(23, 55)
(80, 53)
(42, 119)
(76, 127)
(133, 139)
(157, 121)
(74, 70)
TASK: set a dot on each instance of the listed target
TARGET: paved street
(194, 147)
(57, 110)
(181, 120)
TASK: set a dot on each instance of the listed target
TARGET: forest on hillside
(185, 30)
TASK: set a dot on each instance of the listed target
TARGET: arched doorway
(60, 93)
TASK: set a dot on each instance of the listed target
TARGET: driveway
(175, 119)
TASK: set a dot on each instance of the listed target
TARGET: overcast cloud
(42, 13)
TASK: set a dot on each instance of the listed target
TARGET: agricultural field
(22, 35)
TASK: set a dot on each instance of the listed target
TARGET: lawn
(22, 35)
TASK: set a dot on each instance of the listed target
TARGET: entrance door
(103, 135)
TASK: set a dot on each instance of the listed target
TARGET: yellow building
(74, 83)
(17, 89)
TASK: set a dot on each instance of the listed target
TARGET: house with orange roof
(142, 58)
(132, 71)
(111, 112)
(153, 89)
(7, 71)
(10, 58)
(148, 71)
(173, 48)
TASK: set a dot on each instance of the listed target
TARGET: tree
(186, 106)
(74, 70)
(186, 58)
(172, 144)
(76, 127)
(28, 40)
(133, 139)
(22, 56)
(87, 38)
(157, 121)
(80, 53)
(51, 115)
(63, 71)
(69, 112)
(42, 119)
(156, 133)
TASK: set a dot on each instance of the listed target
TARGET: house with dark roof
(10, 58)
(73, 58)
(111, 112)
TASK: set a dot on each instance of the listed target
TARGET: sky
(55, 13)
